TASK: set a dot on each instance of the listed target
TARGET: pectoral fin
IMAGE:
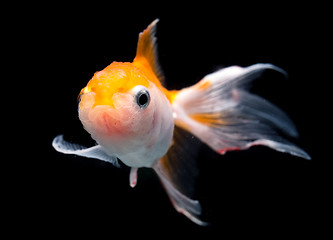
(97, 152)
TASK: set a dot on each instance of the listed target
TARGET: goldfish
(134, 119)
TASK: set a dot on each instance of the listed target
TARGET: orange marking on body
(144, 66)
(171, 95)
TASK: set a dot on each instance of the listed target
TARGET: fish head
(125, 112)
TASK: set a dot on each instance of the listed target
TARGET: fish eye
(142, 97)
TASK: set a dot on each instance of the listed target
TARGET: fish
(135, 119)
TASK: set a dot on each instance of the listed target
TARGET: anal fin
(178, 173)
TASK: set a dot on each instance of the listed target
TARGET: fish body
(135, 119)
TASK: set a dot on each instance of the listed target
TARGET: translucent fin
(220, 112)
(146, 52)
(178, 172)
(184, 205)
(97, 152)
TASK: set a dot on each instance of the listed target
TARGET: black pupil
(143, 99)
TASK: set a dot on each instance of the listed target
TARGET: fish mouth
(107, 119)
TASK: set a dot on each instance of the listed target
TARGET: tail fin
(221, 113)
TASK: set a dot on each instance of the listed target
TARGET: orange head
(117, 78)
(112, 98)
(124, 111)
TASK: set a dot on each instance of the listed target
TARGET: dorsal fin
(146, 53)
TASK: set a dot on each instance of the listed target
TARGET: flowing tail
(221, 113)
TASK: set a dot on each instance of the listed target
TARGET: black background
(258, 192)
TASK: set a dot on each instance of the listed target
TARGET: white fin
(221, 113)
(97, 152)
